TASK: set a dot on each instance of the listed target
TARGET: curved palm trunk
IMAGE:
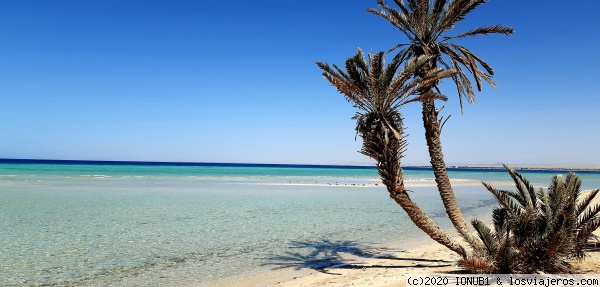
(434, 144)
(423, 221)
(388, 164)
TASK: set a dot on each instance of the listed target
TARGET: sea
(86, 223)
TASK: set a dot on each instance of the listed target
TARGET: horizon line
(359, 166)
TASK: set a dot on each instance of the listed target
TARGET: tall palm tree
(426, 23)
(378, 91)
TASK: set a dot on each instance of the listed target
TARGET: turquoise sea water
(142, 225)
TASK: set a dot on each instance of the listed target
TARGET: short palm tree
(535, 230)
(425, 23)
(378, 91)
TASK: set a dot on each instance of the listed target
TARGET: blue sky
(235, 81)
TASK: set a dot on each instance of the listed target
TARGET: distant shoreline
(409, 167)
(518, 167)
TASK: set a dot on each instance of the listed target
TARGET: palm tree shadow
(592, 246)
(317, 255)
(320, 255)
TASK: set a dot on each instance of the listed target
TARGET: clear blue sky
(235, 81)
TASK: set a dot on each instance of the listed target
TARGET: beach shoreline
(387, 268)
(202, 226)
(383, 267)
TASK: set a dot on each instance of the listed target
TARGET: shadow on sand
(592, 245)
(319, 255)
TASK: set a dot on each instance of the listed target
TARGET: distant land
(522, 167)
(594, 168)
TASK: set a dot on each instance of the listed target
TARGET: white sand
(386, 271)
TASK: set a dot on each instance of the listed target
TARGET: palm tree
(535, 231)
(425, 24)
(378, 92)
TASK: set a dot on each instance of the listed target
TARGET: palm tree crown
(378, 90)
(425, 24)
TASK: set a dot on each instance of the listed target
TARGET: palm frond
(486, 235)
(462, 82)
(516, 196)
(585, 202)
(436, 13)
(461, 55)
(546, 209)
(432, 77)
(427, 96)
(456, 11)
(573, 183)
(501, 221)
(496, 29)
(392, 67)
(420, 12)
(405, 50)
(558, 194)
(474, 242)
(400, 4)
(586, 232)
(505, 200)
(396, 18)
(438, 8)
(589, 215)
(467, 53)
(524, 187)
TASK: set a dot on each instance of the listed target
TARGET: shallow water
(74, 225)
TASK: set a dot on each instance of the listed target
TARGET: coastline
(380, 267)
(387, 268)
(233, 224)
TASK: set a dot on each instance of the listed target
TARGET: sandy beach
(387, 268)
